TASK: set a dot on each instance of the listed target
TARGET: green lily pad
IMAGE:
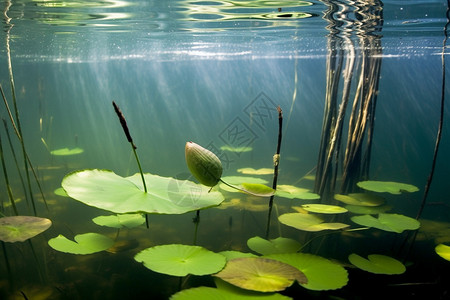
(204, 292)
(21, 228)
(257, 189)
(324, 208)
(106, 190)
(293, 192)
(236, 149)
(443, 251)
(86, 243)
(308, 222)
(260, 274)
(120, 221)
(377, 264)
(322, 273)
(66, 151)
(181, 260)
(388, 222)
(360, 199)
(368, 210)
(387, 187)
(278, 245)
(251, 171)
(231, 254)
(60, 192)
(237, 180)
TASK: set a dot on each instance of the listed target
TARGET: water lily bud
(203, 164)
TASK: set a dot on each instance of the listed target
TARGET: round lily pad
(106, 190)
(324, 208)
(443, 251)
(293, 192)
(86, 243)
(322, 273)
(120, 221)
(278, 245)
(251, 171)
(388, 222)
(387, 187)
(231, 254)
(21, 228)
(260, 274)
(360, 199)
(66, 151)
(308, 222)
(377, 264)
(181, 260)
(205, 292)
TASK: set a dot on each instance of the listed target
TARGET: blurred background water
(212, 72)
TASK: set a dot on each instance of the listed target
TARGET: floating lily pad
(106, 190)
(257, 189)
(322, 273)
(377, 264)
(368, 210)
(260, 274)
(66, 151)
(387, 187)
(204, 292)
(293, 192)
(237, 180)
(120, 221)
(236, 149)
(251, 171)
(360, 199)
(22, 228)
(231, 254)
(86, 243)
(181, 260)
(388, 222)
(324, 208)
(278, 245)
(60, 192)
(443, 251)
(308, 222)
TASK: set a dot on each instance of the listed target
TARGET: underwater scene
(224, 149)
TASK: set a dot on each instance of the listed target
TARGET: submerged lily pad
(324, 208)
(205, 292)
(388, 222)
(86, 243)
(251, 171)
(322, 273)
(378, 264)
(387, 187)
(21, 228)
(308, 222)
(66, 151)
(120, 221)
(257, 189)
(236, 149)
(360, 199)
(278, 245)
(181, 260)
(368, 210)
(232, 254)
(443, 251)
(293, 192)
(260, 274)
(106, 190)
(237, 180)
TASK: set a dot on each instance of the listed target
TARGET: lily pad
(21, 228)
(181, 260)
(205, 292)
(368, 210)
(66, 151)
(308, 222)
(387, 187)
(377, 264)
(236, 149)
(232, 254)
(60, 192)
(324, 208)
(322, 273)
(106, 190)
(293, 192)
(278, 245)
(251, 171)
(257, 189)
(260, 274)
(360, 199)
(237, 180)
(120, 221)
(86, 243)
(443, 251)
(388, 222)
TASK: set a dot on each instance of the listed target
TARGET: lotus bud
(203, 164)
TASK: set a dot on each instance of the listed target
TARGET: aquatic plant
(120, 220)
(86, 243)
(388, 222)
(67, 151)
(204, 292)
(395, 188)
(21, 228)
(273, 246)
(443, 251)
(309, 222)
(378, 264)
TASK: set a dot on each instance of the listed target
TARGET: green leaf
(293, 192)
(66, 151)
(388, 222)
(106, 190)
(322, 273)
(377, 264)
(236, 149)
(443, 251)
(237, 181)
(181, 260)
(120, 221)
(21, 228)
(308, 222)
(278, 245)
(231, 254)
(86, 243)
(387, 187)
(204, 292)
(324, 208)
(251, 171)
(368, 210)
(360, 199)
(260, 274)
(257, 189)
